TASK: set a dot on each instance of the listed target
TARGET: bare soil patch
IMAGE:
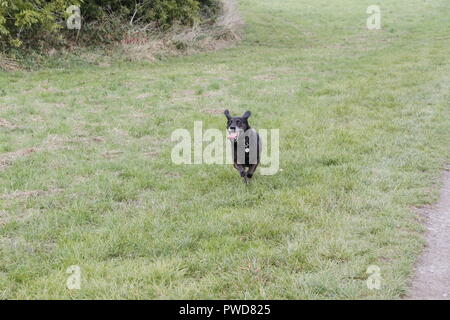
(432, 273)
(7, 124)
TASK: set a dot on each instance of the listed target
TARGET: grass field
(364, 116)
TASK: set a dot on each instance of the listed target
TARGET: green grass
(364, 132)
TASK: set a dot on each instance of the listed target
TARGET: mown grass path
(86, 177)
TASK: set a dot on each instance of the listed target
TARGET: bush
(39, 23)
(162, 12)
(30, 21)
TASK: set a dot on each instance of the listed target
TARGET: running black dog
(246, 144)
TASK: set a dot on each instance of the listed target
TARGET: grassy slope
(364, 122)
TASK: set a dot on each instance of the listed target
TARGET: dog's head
(237, 125)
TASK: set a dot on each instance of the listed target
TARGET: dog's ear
(227, 114)
(247, 115)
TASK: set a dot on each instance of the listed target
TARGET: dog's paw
(243, 174)
(249, 175)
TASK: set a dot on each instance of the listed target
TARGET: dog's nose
(232, 128)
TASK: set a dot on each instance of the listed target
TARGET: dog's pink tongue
(232, 135)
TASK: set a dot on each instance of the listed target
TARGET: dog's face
(237, 125)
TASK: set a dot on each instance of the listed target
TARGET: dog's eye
(238, 121)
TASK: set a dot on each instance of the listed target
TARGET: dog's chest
(245, 144)
(246, 150)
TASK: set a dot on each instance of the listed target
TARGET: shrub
(31, 21)
(39, 23)
(162, 12)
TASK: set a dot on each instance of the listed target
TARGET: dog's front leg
(240, 168)
(251, 170)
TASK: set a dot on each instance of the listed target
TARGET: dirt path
(432, 275)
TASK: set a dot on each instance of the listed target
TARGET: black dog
(246, 144)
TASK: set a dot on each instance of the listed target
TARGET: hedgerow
(40, 23)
